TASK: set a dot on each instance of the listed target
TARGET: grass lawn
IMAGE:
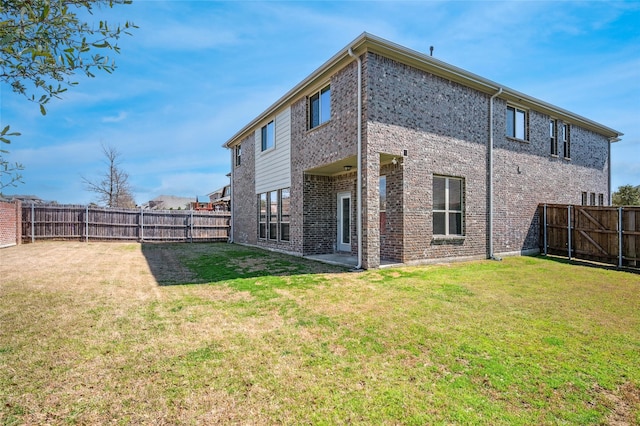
(223, 334)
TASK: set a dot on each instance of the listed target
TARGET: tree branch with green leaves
(44, 43)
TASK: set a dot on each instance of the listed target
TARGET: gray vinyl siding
(273, 167)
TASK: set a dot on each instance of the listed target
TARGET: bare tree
(113, 188)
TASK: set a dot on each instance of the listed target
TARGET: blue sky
(195, 72)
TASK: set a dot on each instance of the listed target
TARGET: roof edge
(371, 43)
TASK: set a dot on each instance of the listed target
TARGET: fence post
(86, 224)
(141, 224)
(33, 223)
(544, 219)
(620, 232)
(191, 227)
(569, 231)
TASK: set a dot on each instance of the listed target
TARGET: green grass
(263, 338)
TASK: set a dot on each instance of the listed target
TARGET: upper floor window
(268, 136)
(320, 107)
(238, 153)
(517, 123)
(553, 136)
(566, 139)
(447, 206)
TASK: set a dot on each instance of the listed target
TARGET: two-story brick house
(387, 153)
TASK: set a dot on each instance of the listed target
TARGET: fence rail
(602, 234)
(96, 223)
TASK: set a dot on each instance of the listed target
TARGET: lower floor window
(285, 214)
(274, 215)
(447, 206)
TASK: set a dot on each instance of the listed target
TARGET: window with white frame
(585, 198)
(320, 107)
(285, 214)
(383, 192)
(447, 206)
(262, 216)
(517, 123)
(566, 140)
(274, 213)
(238, 153)
(268, 136)
(601, 199)
(553, 136)
(592, 199)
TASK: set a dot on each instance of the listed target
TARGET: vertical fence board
(96, 223)
(592, 233)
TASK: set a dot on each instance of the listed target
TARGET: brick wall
(315, 211)
(10, 223)
(391, 237)
(245, 202)
(526, 174)
(318, 215)
(434, 127)
(444, 127)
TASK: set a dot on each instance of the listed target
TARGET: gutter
(359, 161)
(610, 196)
(490, 154)
(369, 42)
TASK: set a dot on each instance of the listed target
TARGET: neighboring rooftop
(168, 202)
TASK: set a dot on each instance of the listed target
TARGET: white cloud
(115, 119)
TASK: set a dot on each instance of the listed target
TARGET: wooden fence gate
(602, 234)
(95, 223)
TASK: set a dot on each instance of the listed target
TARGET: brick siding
(10, 223)
(245, 201)
(433, 126)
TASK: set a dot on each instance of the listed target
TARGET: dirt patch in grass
(625, 405)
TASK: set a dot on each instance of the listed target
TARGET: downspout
(610, 200)
(359, 161)
(490, 154)
(611, 140)
(231, 195)
(609, 175)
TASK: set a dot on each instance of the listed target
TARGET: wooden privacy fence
(602, 234)
(96, 223)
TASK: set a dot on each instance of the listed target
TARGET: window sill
(268, 150)
(554, 155)
(448, 239)
(567, 158)
(511, 138)
(319, 126)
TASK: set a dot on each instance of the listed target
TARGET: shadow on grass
(183, 263)
(587, 263)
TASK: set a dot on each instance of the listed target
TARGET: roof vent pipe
(359, 161)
